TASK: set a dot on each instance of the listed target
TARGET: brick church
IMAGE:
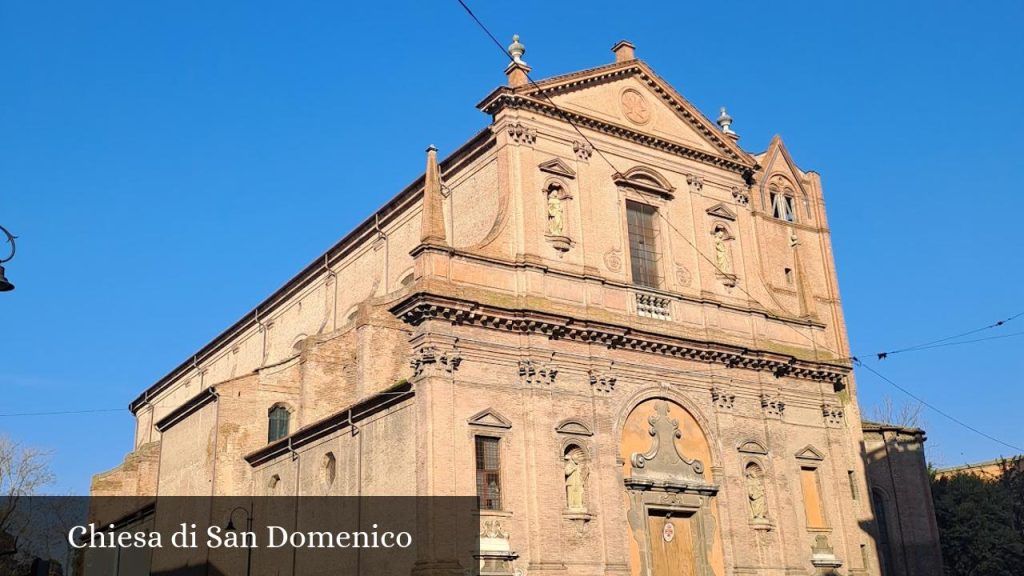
(617, 328)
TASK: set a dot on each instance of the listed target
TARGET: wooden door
(672, 551)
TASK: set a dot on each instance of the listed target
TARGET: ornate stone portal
(670, 501)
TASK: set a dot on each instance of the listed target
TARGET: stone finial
(516, 50)
(432, 221)
(624, 50)
(518, 71)
(725, 123)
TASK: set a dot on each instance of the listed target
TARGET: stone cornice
(506, 99)
(190, 406)
(423, 306)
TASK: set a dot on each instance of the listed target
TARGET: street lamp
(248, 528)
(5, 284)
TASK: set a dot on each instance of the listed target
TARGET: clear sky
(169, 164)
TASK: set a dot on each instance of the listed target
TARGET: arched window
(783, 206)
(278, 419)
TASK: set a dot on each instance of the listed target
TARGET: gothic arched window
(783, 205)
(278, 423)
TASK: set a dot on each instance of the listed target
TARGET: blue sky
(167, 165)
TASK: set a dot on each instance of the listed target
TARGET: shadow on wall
(904, 530)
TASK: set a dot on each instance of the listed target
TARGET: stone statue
(556, 225)
(722, 252)
(575, 480)
(756, 494)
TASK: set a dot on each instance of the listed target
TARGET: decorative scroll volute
(663, 462)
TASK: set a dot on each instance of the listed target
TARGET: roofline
(341, 420)
(993, 462)
(871, 426)
(396, 205)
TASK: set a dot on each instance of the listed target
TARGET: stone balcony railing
(653, 306)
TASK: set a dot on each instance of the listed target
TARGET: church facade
(600, 315)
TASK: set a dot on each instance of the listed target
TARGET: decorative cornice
(522, 102)
(421, 307)
(634, 67)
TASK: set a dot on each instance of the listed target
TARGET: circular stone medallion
(635, 107)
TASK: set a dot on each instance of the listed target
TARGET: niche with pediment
(672, 518)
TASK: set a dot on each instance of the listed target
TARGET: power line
(933, 343)
(934, 408)
(1000, 337)
(61, 412)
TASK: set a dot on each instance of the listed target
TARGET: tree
(906, 414)
(23, 472)
(977, 529)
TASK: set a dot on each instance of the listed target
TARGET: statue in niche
(756, 493)
(575, 480)
(556, 224)
(722, 258)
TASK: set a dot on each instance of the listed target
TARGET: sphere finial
(725, 121)
(516, 50)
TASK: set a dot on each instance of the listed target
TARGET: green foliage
(980, 523)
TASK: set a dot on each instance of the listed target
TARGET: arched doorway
(668, 491)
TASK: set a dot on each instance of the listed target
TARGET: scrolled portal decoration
(666, 454)
(663, 460)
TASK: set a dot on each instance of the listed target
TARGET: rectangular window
(643, 250)
(488, 473)
(853, 483)
(782, 207)
(813, 508)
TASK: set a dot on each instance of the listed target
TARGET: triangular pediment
(490, 419)
(630, 95)
(810, 453)
(721, 211)
(557, 167)
(778, 169)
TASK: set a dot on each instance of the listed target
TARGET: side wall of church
(898, 477)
